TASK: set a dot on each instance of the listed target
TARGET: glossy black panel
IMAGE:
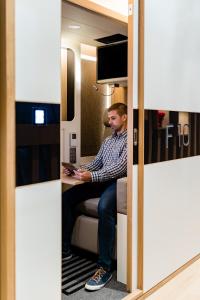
(171, 135)
(37, 142)
(135, 136)
(70, 84)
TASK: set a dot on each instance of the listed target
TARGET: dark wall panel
(171, 135)
(37, 142)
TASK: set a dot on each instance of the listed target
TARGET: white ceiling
(119, 6)
(92, 25)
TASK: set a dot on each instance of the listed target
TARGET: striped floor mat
(75, 273)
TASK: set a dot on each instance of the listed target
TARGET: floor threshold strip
(69, 272)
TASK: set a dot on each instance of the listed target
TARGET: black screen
(112, 61)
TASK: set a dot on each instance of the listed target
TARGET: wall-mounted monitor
(112, 62)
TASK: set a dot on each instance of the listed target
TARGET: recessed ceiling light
(74, 26)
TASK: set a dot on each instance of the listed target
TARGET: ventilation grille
(112, 39)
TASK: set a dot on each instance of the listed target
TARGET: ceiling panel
(92, 25)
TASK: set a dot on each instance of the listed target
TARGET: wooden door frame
(7, 150)
(7, 142)
(141, 142)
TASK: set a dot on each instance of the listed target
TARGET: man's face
(116, 121)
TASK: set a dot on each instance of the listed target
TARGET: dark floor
(113, 290)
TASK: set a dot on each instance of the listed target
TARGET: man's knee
(101, 209)
(106, 207)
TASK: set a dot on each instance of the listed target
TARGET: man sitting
(100, 178)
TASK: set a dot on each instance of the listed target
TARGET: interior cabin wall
(73, 126)
(93, 105)
(93, 108)
(38, 206)
(171, 188)
(120, 95)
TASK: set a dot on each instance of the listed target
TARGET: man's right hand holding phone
(82, 175)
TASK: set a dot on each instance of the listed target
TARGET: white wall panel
(38, 26)
(171, 217)
(172, 60)
(121, 252)
(38, 241)
(122, 248)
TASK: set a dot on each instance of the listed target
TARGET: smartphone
(69, 166)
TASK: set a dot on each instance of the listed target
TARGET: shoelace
(98, 275)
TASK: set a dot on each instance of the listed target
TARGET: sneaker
(66, 255)
(98, 280)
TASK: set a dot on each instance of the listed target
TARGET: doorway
(89, 96)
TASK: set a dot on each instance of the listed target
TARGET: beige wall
(93, 106)
(92, 109)
(120, 95)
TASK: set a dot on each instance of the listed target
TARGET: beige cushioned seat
(89, 207)
(85, 233)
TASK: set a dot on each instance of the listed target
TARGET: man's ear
(124, 117)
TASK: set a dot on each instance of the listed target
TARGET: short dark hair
(121, 108)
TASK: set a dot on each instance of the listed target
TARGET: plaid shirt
(111, 160)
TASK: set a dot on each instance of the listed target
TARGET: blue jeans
(107, 213)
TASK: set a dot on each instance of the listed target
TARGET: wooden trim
(130, 152)
(133, 296)
(137, 294)
(7, 151)
(99, 9)
(141, 144)
(170, 277)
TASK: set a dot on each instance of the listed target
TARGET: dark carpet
(77, 270)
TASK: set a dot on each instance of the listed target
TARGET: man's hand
(82, 175)
(67, 171)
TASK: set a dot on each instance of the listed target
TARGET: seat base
(85, 234)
